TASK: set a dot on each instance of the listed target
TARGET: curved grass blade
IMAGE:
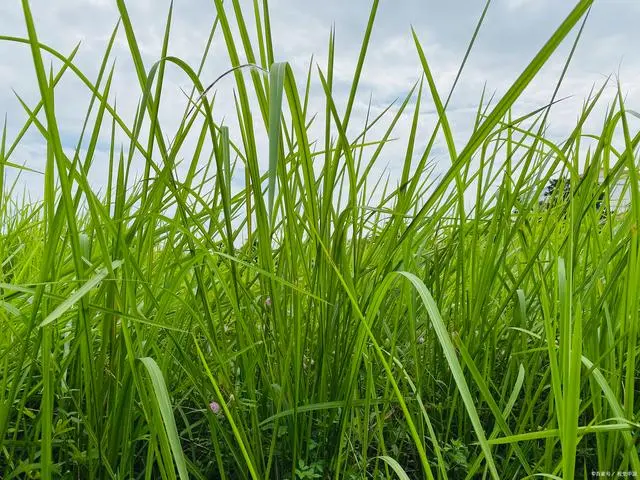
(454, 364)
(164, 403)
(395, 466)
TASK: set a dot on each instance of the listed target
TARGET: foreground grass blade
(78, 294)
(402, 475)
(164, 403)
(454, 365)
(276, 82)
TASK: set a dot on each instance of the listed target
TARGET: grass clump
(180, 326)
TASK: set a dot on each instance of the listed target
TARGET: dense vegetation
(178, 326)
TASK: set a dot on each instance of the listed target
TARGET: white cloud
(517, 4)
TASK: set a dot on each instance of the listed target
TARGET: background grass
(339, 335)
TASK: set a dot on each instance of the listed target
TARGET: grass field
(318, 321)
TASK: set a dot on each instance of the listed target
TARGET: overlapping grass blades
(507, 350)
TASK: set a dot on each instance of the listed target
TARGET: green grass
(341, 336)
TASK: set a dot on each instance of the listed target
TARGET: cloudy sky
(513, 32)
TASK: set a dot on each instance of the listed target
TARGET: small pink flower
(267, 301)
(215, 407)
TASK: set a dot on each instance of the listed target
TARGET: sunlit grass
(300, 326)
